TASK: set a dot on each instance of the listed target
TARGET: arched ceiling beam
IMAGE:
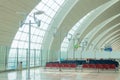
(75, 14)
(116, 45)
(106, 27)
(87, 19)
(110, 38)
(91, 35)
(118, 38)
(91, 16)
(103, 36)
(107, 33)
(111, 11)
(115, 41)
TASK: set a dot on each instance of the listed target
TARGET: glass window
(45, 1)
(24, 36)
(18, 35)
(21, 44)
(45, 9)
(40, 6)
(25, 45)
(41, 33)
(45, 26)
(48, 20)
(15, 44)
(26, 29)
(37, 33)
(34, 38)
(50, 3)
(33, 29)
(52, 13)
(59, 1)
(39, 39)
(55, 7)
(44, 19)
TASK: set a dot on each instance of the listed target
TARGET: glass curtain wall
(20, 55)
(18, 51)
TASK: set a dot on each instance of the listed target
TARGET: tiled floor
(41, 74)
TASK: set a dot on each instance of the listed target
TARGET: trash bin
(20, 66)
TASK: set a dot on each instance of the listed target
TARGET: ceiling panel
(10, 17)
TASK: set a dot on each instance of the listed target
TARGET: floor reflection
(41, 74)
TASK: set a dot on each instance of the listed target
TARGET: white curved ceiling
(105, 37)
(10, 17)
(78, 12)
(9, 21)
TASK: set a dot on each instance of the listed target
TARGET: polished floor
(41, 74)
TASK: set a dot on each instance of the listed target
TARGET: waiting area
(59, 39)
(82, 64)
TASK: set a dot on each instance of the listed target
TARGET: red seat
(73, 65)
(67, 65)
(47, 65)
(112, 66)
(92, 66)
(56, 65)
(106, 66)
(85, 66)
(99, 66)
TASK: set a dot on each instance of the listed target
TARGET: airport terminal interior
(59, 39)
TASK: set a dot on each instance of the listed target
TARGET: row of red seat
(61, 65)
(99, 66)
